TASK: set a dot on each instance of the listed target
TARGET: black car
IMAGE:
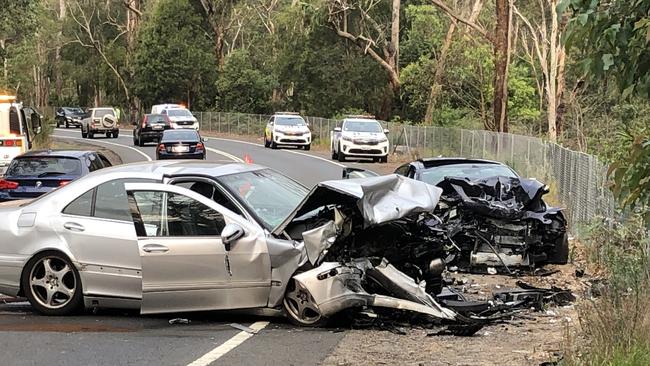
(493, 216)
(180, 144)
(150, 129)
(69, 116)
(38, 172)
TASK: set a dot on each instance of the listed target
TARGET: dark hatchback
(150, 129)
(180, 144)
(69, 116)
(38, 172)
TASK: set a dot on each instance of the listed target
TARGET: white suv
(181, 118)
(287, 129)
(360, 136)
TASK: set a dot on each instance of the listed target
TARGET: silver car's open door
(185, 265)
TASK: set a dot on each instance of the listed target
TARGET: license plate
(157, 127)
(180, 149)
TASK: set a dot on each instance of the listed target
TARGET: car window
(179, 113)
(290, 121)
(403, 170)
(184, 216)
(95, 163)
(210, 191)
(104, 160)
(111, 202)
(180, 135)
(362, 126)
(103, 112)
(82, 206)
(44, 166)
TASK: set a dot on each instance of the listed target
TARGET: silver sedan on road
(193, 236)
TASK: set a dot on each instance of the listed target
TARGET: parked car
(69, 116)
(151, 129)
(181, 118)
(287, 128)
(35, 173)
(100, 121)
(359, 137)
(121, 238)
(158, 108)
(180, 144)
(496, 217)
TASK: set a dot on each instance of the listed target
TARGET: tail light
(200, 147)
(7, 184)
(161, 148)
(11, 143)
(144, 123)
(63, 183)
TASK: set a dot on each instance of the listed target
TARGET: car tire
(91, 135)
(83, 134)
(273, 144)
(116, 134)
(108, 135)
(383, 159)
(307, 147)
(341, 155)
(335, 156)
(141, 142)
(266, 142)
(67, 125)
(300, 308)
(52, 284)
(560, 253)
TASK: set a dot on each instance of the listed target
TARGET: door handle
(155, 248)
(73, 226)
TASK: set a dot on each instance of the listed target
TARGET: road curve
(306, 168)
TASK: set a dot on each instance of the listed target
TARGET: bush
(617, 323)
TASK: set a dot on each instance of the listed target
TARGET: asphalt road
(119, 338)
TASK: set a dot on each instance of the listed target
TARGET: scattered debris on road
(179, 321)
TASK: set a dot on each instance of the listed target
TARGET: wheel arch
(54, 249)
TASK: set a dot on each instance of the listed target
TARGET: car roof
(434, 162)
(58, 153)
(359, 119)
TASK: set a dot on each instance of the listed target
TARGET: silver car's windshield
(268, 194)
(362, 126)
(435, 175)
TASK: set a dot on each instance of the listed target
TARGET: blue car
(38, 172)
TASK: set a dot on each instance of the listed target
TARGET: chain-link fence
(577, 180)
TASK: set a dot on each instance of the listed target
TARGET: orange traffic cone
(247, 159)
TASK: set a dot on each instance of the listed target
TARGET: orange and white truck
(18, 127)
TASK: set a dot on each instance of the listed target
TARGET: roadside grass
(44, 139)
(615, 324)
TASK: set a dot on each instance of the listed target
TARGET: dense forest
(573, 71)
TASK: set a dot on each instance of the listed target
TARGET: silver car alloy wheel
(52, 282)
(300, 305)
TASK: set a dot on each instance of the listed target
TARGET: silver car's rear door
(185, 266)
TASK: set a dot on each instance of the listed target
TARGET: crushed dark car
(493, 218)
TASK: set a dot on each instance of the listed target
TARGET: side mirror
(337, 129)
(351, 173)
(386, 131)
(230, 234)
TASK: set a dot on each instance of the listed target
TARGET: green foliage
(242, 87)
(174, 60)
(614, 36)
(616, 323)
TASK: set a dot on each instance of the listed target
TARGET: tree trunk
(132, 25)
(216, 20)
(436, 86)
(394, 36)
(501, 61)
(5, 65)
(58, 83)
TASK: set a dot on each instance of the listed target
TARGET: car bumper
(282, 139)
(177, 126)
(151, 135)
(352, 149)
(103, 129)
(165, 156)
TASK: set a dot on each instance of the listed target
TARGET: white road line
(289, 151)
(229, 156)
(104, 142)
(228, 346)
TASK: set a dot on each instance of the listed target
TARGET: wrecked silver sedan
(176, 236)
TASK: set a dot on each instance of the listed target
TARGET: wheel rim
(52, 282)
(301, 305)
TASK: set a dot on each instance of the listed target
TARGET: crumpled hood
(379, 199)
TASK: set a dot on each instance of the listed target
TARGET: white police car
(360, 136)
(287, 128)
